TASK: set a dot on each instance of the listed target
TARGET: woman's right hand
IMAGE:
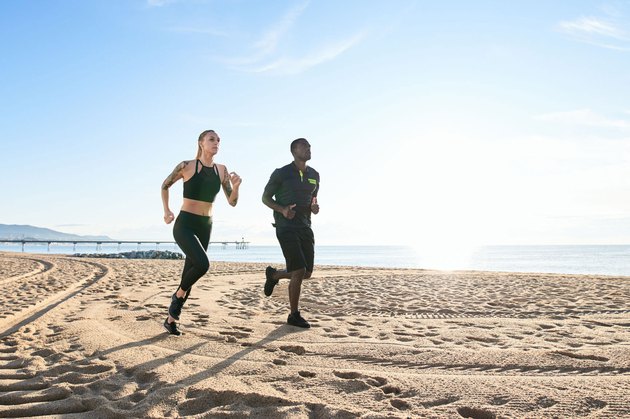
(168, 217)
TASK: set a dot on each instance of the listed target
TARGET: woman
(203, 178)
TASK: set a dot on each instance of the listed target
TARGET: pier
(239, 244)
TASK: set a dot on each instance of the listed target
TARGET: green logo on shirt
(313, 181)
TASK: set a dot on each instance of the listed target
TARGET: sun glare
(445, 255)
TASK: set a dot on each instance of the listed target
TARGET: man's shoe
(171, 328)
(295, 319)
(175, 309)
(270, 282)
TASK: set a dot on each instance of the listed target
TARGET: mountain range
(28, 232)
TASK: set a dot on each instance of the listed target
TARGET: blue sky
(441, 125)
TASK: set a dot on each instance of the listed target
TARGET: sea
(573, 259)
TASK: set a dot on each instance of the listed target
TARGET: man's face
(302, 150)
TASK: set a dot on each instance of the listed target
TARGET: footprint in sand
(376, 381)
(400, 404)
(306, 374)
(475, 413)
(545, 402)
(296, 349)
(389, 389)
(589, 404)
(439, 402)
(499, 400)
(347, 375)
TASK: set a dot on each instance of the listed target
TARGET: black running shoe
(175, 309)
(171, 328)
(295, 319)
(270, 282)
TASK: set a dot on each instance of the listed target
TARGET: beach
(83, 337)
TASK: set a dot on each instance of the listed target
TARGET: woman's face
(210, 143)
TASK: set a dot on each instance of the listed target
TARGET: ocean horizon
(564, 259)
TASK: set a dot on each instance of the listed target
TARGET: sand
(84, 338)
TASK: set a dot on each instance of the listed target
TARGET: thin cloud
(585, 117)
(269, 42)
(596, 31)
(268, 57)
(290, 65)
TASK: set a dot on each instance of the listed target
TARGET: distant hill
(27, 232)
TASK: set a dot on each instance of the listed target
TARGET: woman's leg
(192, 234)
(194, 247)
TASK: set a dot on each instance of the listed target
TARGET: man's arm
(270, 191)
(314, 204)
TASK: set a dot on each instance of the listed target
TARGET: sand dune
(84, 338)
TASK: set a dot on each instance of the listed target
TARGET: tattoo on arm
(227, 186)
(174, 176)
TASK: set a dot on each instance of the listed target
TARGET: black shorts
(298, 247)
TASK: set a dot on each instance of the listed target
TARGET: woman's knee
(203, 265)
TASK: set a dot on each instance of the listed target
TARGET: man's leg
(290, 245)
(295, 288)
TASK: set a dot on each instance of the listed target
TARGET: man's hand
(314, 205)
(288, 212)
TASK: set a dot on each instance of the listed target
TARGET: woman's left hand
(235, 179)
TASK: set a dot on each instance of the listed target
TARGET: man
(295, 188)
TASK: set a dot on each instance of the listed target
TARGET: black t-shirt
(291, 186)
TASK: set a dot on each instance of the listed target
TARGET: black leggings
(192, 234)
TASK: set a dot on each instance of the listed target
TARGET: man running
(295, 188)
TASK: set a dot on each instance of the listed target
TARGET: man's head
(301, 149)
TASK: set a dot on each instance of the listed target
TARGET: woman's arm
(177, 174)
(231, 182)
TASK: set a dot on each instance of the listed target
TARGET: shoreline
(83, 335)
(582, 260)
(168, 255)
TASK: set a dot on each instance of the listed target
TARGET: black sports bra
(204, 185)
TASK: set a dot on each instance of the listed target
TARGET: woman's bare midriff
(197, 207)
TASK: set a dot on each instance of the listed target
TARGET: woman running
(203, 178)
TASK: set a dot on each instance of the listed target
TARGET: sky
(440, 125)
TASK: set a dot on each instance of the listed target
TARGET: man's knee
(307, 274)
(298, 273)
